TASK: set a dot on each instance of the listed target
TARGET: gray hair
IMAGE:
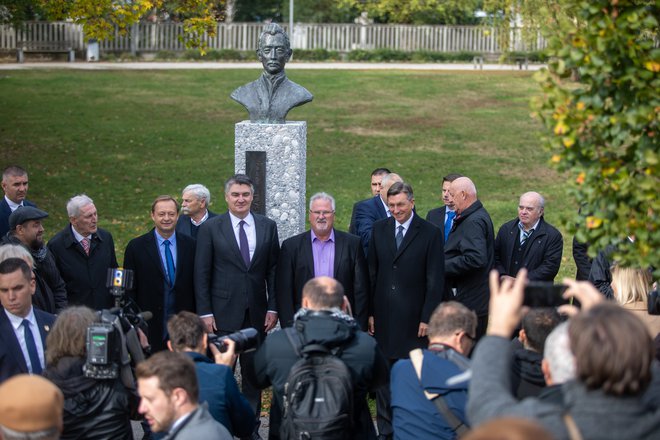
(387, 178)
(16, 251)
(274, 29)
(13, 170)
(239, 179)
(557, 352)
(76, 203)
(452, 316)
(45, 434)
(200, 191)
(321, 196)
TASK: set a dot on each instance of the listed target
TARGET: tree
(15, 12)
(603, 128)
(417, 11)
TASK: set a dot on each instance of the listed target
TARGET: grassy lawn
(124, 137)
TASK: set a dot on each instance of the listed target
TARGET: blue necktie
(448, 223)
(399, 237)
(244, 247)
(169, 262)
(31, 348)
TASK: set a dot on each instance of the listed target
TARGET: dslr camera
(246, 340)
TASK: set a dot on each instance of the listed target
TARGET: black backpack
(318, 394)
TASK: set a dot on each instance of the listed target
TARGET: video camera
(246, 340)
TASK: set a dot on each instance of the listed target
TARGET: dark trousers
(384, 408)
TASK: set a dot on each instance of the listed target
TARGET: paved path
(204, 65)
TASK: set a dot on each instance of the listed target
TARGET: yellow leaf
(580, 178)
(561, 128)
(594, 222)
(580, 106)
(568, 142)
(653, 66)
(556, 158)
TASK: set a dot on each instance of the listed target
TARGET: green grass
(124, 137)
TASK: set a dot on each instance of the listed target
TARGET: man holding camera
(217, 386)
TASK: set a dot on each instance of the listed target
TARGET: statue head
(274, 49)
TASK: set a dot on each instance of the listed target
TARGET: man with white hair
(83, 253)
(195, 200)
(530, 242)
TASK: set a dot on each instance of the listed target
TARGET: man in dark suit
(195, 201)
(236, 262)
(83, 254)
(406, 267)
(376, 181)
(23, 328)
(15, 188)
(529, 242)
(371, 210)
(163, 262)
(469, 252)
(322, 251)
(443, 217)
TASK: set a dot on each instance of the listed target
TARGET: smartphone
(544, 294)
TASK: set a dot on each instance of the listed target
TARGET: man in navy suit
(15, 187)
(371, 210)
(323, 250)
(443, 217)
(23, 329)
(376, 182)
(195, 200)
(163, 263)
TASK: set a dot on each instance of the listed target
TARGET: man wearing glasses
(322, 251)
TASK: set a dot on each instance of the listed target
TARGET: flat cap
(30, 403)
(24, 214)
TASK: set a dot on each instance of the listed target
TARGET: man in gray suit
(235, 266)
(169, 392)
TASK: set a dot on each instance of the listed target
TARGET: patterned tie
(399, 236)
(169, 262)
(31, 348)
(525, 236)
(448, 223)
(85, 244)
(244, 246)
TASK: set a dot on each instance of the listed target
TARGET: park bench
(41, 46)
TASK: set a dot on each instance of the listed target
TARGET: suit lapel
(538, 233)
(413, 230)
(340, 248)
(307, 254)
(260, 230)
(228, 231)
(382, 212)
(154, 253)
(7, 333)
(44, 328)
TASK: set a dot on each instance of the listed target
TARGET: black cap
(24, 214)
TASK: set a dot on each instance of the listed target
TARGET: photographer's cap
(30, 403)
(24, 214)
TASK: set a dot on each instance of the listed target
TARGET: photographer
(217, 385)
(93, 408)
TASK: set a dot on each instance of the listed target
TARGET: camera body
(246, 340)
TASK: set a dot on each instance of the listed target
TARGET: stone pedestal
(286, 160)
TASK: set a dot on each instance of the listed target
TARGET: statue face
(273, 53)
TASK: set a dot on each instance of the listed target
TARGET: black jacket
(93, 409)
(367, 365)
(526, 375)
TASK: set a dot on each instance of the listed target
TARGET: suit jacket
(149, 280)
(12, 361)
(296, 266)
(85, 275)
(542, 256)
(366, 213)
(436, 216)
(5, 212)
(406, 284)
(263, 107)
(469, 258)
(199, 425)
(184, 225)
(224, 286)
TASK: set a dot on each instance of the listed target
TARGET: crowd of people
(426, 314)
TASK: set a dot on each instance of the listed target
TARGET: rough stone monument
(272, 151)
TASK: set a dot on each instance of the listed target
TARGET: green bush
(166, 55)
(316, 55)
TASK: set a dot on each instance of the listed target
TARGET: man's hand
(584, 292)
(209, 321)
(423, 328)
(370, 325)
(227, 358)
(144, 341)
(507, 277)
(270, 322)
(506, 300)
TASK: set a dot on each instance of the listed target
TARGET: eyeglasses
(467, 335)
(324, 213)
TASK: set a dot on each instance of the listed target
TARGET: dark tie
(169, 262)
(448, 223)
(31, 348)
(399, 237)
(243, 241)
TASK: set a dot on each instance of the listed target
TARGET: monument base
(281, 196)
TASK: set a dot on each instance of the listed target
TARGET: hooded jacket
(526, 375)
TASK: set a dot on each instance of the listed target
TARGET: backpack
(318, 394)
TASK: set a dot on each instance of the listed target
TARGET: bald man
(528, 241)
(469, 253)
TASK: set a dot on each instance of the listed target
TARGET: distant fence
(152, 37)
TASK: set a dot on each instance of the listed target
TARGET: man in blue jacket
(444, 371)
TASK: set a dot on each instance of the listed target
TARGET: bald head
(322, 293)
(463, 192)
(530, 209)
(386, 183)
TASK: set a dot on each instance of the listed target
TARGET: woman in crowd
(631, 287)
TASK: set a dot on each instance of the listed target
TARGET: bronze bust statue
(269, 98)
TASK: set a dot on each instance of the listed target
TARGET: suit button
(515, 262)
(393, 287)
(394, 267)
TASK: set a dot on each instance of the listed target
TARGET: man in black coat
(529, 242)
(406, 268)
(236, 261)
(443, 217)
(163, 262)
(15, 188)
(195, 201)
(320, 251)
(469, 252)
(83, 254)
